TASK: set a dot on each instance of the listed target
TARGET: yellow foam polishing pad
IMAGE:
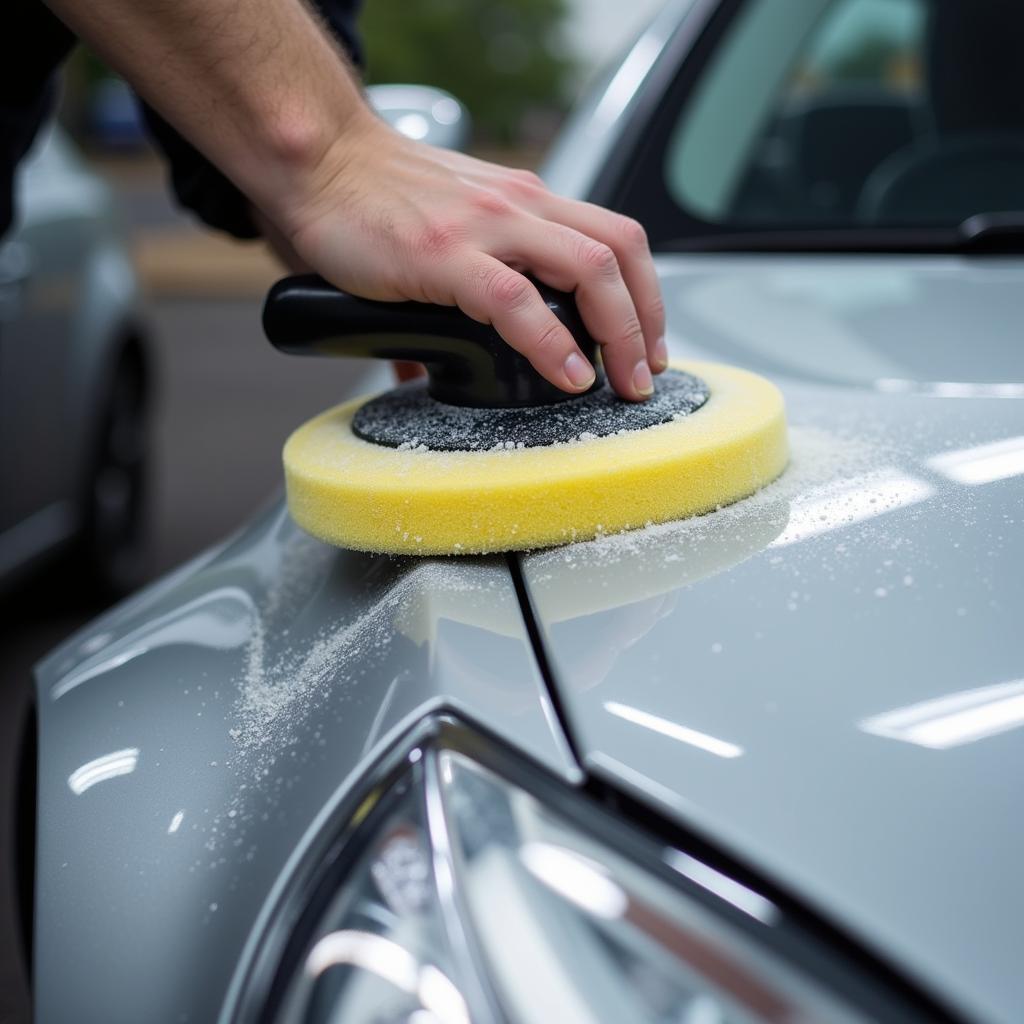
(356, 494)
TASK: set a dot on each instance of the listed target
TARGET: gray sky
(600, 29)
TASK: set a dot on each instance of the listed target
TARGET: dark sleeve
(202, 188)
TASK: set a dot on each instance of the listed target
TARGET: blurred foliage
(87, 67)
(502, 58)
(869, 60)
(83, 73)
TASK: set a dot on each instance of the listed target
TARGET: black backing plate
(408, 417)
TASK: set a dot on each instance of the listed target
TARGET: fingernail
(642, 380)
(660, 355)
(579, 371)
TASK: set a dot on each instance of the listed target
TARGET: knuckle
(438, 239)
(489, 202)
(526, 185)
(508, 289)
(656, 309)
(633, 233)
(631, 333)
(551, 337)
(597, 256)
(529, 177)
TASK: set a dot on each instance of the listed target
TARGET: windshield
(872, 115)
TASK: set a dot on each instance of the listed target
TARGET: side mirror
(423, 113)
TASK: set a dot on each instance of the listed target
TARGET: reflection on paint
(95, 644)
(954, 720)
(175, 823)
(221, 619)
(675, 731)
(949, 389)
(623, 86)
(853, 501)
(395, 964)
(723, 886)
(107, 665)
(109, 766)
(577, 878)
(983, 463)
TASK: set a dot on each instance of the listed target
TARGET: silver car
(74, 380)
(757, 766)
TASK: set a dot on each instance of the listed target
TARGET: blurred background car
(73, 380)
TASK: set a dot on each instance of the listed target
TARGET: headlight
(468, 896)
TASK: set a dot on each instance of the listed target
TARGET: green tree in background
(868, 60)
(501, 58)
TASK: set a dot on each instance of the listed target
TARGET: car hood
(827, 679)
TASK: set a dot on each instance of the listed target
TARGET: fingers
(492, 292)
(571, 261)
(628, 241)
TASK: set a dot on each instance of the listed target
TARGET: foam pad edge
(355, 494)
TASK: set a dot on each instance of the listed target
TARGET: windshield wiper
(984, 234)
(819, 240)
(992, 234)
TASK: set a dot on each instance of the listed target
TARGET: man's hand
(393, 219)
(259, 87)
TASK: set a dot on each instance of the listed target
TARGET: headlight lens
(473, 899)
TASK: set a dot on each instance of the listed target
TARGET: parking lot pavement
(225, 402)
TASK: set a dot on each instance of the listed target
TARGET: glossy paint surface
(193, 739)
(828, 678)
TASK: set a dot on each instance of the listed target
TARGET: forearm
(257, 85)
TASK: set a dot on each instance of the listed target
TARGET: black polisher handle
(468, 363)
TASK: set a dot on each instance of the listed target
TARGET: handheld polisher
(485, 455)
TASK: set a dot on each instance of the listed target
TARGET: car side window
(797, 108)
